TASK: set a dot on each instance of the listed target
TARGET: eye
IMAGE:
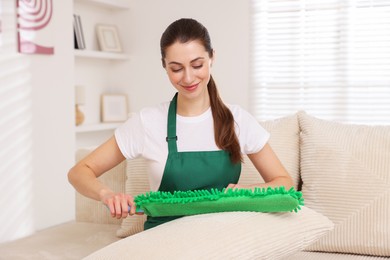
(175, 70)
(197, 66)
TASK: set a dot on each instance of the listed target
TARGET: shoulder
(154, 119)
(240, 114)
(245, 121)
(251, 134)
(155, 111)
(147, 117)
(153, 115)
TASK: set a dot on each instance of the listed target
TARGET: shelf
(100, 55)
(91, 61)
(114, 4)
(96, 127)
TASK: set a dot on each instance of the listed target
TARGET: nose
(188, 76)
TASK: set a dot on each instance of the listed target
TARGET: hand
(118, 204)
(234, 186)
(242, 186)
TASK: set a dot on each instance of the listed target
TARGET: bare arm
(270, 168)
(83, 176)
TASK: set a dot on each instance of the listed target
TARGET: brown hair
(185, 30)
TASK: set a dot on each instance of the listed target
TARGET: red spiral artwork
(33, 26)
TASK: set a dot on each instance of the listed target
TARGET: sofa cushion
(71, 240)
(346, 176)
(136, 183)
(304, 255)
(229, 235)
(284, 140)
(89, 210)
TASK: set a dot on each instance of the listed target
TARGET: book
(79, 40)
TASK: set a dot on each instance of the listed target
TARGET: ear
(212, 59)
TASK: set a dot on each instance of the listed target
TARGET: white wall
(53, 123)
(48, 88)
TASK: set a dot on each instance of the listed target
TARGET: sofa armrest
(88, 210)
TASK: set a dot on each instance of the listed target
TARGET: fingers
(118, 205)
(118, 208)
(111, 208)
(133, 207)
(130, 202)
(231, 186)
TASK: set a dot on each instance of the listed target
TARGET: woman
(193, 142)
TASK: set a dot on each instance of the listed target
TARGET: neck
(192, 107)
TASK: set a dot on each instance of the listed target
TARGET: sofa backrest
(88, 210)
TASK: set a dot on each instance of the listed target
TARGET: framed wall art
(108, 38)
(114, 108)
(35, 32)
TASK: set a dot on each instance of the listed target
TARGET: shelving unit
(100, 55)
(96, 127)
(113, 4)
(100, 72)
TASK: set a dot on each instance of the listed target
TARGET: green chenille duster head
(184, 203)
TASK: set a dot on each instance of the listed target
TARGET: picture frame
(114, 108)
(108, 38)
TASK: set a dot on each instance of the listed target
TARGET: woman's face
(188, 67)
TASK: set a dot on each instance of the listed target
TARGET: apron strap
(171, 136)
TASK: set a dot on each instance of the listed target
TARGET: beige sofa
(343, 172)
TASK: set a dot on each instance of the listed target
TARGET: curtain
(329, 58)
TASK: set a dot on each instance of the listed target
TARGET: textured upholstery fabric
(136, 183)
(88, 210)
(284, 141)
(229, 235)
(346, 176)
(303, 255)
(72, 240)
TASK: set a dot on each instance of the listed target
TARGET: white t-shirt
(144, 134)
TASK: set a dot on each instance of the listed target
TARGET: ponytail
(224, 133)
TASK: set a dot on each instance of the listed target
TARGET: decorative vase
(79, 116)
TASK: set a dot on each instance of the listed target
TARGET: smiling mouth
(192, 87)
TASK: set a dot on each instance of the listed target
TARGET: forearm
(84, 175)
(277, 182)
(86, 183)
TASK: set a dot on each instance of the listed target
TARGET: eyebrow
(178, 63)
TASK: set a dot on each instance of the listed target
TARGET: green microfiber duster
(184, 203)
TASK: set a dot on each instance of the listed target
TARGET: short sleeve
(130, 137)
(252, 136)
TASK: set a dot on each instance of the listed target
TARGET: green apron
(192, 170)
